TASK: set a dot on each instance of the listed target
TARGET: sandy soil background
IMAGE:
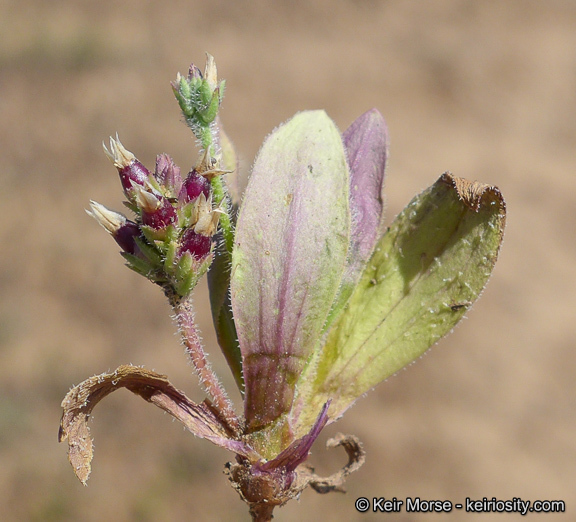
(484, 89)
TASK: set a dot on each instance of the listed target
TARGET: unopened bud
(121, 229)
(199, 97)
(131, 171)
(157, 211)
(194, 73)
(168, 174)
(126, 235)
(193, 186)
(197, 244)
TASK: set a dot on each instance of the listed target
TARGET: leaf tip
(475, 194)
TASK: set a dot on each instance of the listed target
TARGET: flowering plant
(314, 300)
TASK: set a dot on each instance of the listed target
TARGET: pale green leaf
(425, 273)
(289, 258)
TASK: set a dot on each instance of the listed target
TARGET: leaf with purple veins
(289, 257)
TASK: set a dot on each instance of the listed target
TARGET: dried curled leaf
(356, 458)
(151, 386)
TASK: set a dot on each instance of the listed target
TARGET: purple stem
(190, 337)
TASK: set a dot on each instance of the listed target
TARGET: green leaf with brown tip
(426, 271)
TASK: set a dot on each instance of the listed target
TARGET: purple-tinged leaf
(297, 452)
(366, 144)
(289, 257)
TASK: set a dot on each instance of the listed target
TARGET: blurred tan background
(484, 89)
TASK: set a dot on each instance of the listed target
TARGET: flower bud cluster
(170, 240)
(199, 96)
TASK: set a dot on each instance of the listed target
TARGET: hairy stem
(184, 314)
(225, 221)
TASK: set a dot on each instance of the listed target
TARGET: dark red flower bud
(193, 186)
(121, 229)
(135, 172)
(130, 169)
(197, 244)
(157, 211)
(168, 174)
(125, 236)
(161, 217)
